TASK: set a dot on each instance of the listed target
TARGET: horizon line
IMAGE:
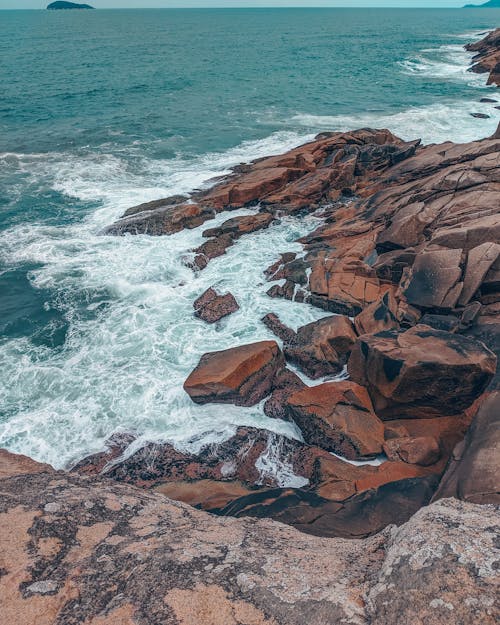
(262, 8)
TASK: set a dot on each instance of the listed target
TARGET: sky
(110, 4)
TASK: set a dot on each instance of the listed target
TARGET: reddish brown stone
(285, 383)
(423, 450)
(379, 316)
(240, 375)
(421, 373)
(238, 226)
(339, 417)
(322, 347)
(212, 307)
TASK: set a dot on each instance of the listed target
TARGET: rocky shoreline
(395, 394)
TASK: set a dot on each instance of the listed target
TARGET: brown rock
(436, 279)
(68, 543)
(285, 383)
(423, 450)
(357, 517)
(212, 248)
(240, 375)
(16, 464)
(338, 416)
(322, 347)
(278, 328)
(422, 372)
(479, 262)
(212, 307)
(379, 316)
(238, 226)
(161, 219)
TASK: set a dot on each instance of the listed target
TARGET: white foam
(435, 123)
(448, 63)
(272, 467)
(132, 337)
(132, 344)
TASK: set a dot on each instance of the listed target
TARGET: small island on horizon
(54, 6)
(491, 4)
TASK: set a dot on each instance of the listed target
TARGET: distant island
(54, 6)
(492, 4)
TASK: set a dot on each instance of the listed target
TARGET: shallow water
(103, 110)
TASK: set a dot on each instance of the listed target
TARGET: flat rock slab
(241, 375)
(80, 550)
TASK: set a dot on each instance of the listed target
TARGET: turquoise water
(102, 110)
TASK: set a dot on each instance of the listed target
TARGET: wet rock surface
(212, 307)
(339, 417)
(88, 550)
(487, 58)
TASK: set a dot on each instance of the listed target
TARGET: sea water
(103, 110)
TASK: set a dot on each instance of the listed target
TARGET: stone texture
(77, 550)
(423, 450)
(422, 372)
(322, 347)
(339, 417)
(157, 218)
(240, 375)
(211, 307)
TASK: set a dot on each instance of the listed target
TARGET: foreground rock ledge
(75, 550)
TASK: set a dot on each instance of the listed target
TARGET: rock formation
(407, 258)
(487, 58)
(79, 550)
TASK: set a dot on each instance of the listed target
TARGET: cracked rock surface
(79, 550)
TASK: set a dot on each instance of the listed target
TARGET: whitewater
(131, 336)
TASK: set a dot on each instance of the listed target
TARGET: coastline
(404, 263)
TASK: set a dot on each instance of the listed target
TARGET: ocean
(103, 110)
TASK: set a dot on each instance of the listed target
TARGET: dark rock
(54, 6)
(339, 417)
(212, 307)
(160, 220)
(278, 328)
(285, 383)
(422, 372)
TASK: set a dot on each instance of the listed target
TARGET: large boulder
(339, 417)
(421, 373)
(241, 375)
(322, 347)
(473, 473)
(379, 316)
